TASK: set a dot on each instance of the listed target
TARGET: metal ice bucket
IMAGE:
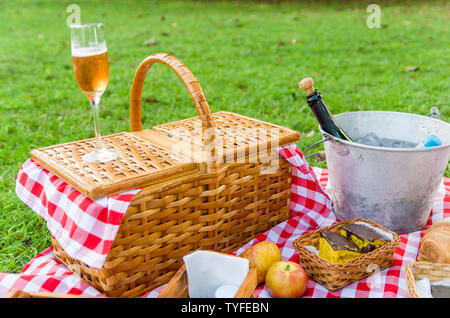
(394, 187)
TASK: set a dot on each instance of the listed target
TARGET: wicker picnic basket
(336, 276)
(419, 270)
(192, 196)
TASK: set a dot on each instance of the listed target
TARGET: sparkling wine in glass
(91, 66)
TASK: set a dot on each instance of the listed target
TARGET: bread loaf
(435, 243)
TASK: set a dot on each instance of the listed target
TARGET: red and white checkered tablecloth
(310, 209)
(84, 228)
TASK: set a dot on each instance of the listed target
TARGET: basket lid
(235, 135)
(139, 162)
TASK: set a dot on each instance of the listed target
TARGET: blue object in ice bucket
(432, 141)
(394, 187)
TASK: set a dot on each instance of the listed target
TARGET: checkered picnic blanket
(311, 209)
(84, 228)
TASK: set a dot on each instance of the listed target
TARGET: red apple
(261, 256)
(286, 279)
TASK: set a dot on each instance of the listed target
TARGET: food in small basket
(350, 241)
(435, 245)
(365, 236)
(336, 248)
(335, 276)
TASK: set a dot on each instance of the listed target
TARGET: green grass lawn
(248, 56)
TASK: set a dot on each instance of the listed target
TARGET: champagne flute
(91, 67)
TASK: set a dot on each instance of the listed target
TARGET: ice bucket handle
(189, 81)
(434, 113)
(343, 150)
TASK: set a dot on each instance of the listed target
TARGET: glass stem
(95, 103)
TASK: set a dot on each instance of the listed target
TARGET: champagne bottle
(321, 111)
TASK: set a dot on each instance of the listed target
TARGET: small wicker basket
(418, 270)
(184, 204)
(336, 276)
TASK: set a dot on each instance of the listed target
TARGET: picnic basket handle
(189, 80)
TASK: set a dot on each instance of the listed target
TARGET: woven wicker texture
(236, 135)
(205, 205)
(419, 270)
(219, 211)
(334, 276)
(138, 162)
